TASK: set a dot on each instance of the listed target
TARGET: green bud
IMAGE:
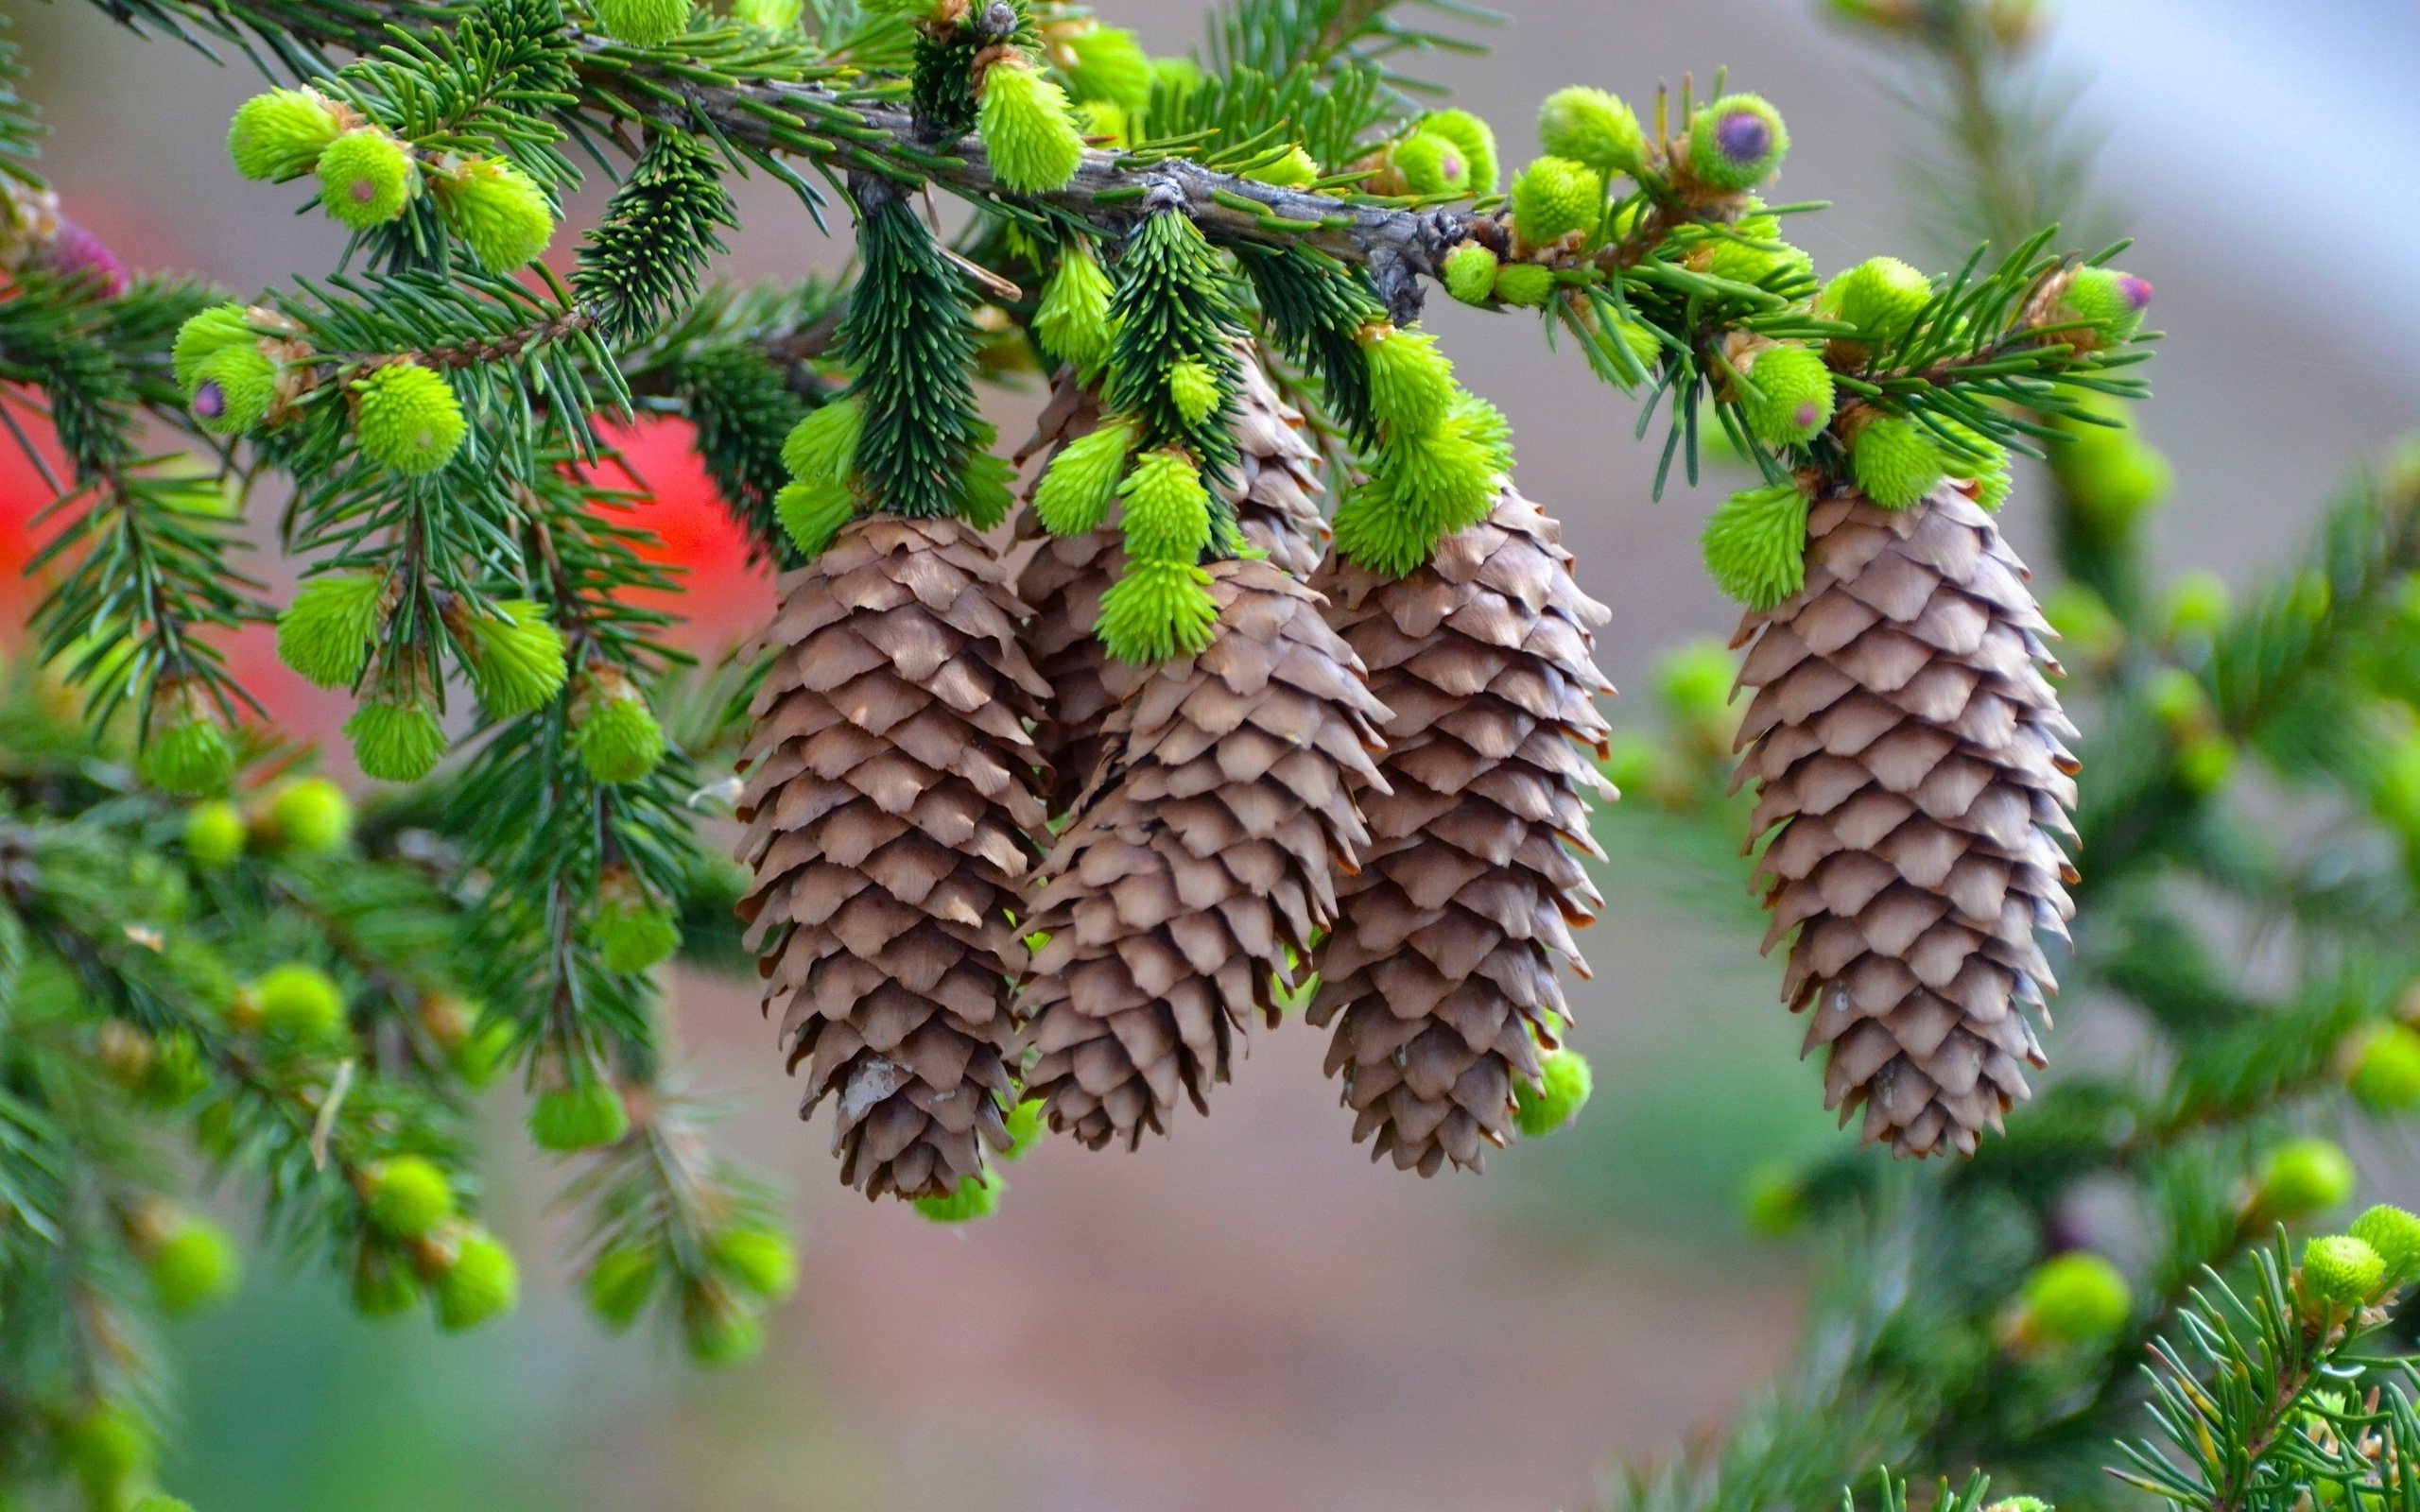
(2111, 304)
(1110, 65)
(780, 17)
(1168, 511)
(327, 633)
(382, 1284)
(1470, 274)
(1073, 318)
(642, 22)
(1773, 1202)
(2076, 1297)
(215, 834)
(280, 136)
(365, 179)
(1880, 297)
(1423, 488)
(619, 1284)
(1565, 1082)
(634, 937)
(1527, 284)
(1430, 165)
(2386, 1068)
(1695, 681)
(822, 447)
(408, 1195)
(482, 1282)
(1631, 760)
(812, 513)
(520, 661)
(407, 419)
(483, 1051)
(2342, 1271)
(395, 743)
(2088, 630)
(618, 738)
(1076, 490)
(2177, 699)
(1793, 399)
(1592, 126)
(584, 1116)
(1553, 197)
(2304, 1176)
(1755, 544)
(2111, 475)
(1897, 461)
(1195, 390)
(498, 212)
(299, 1003)
(1155, 610)
(1295, 169)
(189, 756)
(2395, 1234)
(204, 335)
(2197, 605)
(720, 1329)
(759, 1258)
(1411, 383)
(234, 389)
(1027, 129)
(106, 1448)
(194, 1268)
(1026, 1126)
(2206, 762)
(312, 816)
(1737, 143)
(986, 490)
(976, 1196)
(1480, 170)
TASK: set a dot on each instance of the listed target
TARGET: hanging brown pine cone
(889, 810)
(1200, 869)
(1275, 488)
(1439, 972)
(1914, 758)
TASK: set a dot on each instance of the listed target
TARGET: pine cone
(1275, 492)
(1440, 965)
(889, 810)
(1200, 869)
(1914, 758)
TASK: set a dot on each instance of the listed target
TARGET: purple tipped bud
(74, 249)
(363, 191)
(210, 399)
(2138, 291)
(1806, 413)
(1744, 136)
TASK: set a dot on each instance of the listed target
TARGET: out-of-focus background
(1250, 1315)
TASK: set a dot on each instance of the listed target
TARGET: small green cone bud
(1481, 164)
(2204, 762)
(1470, 274)
(2076, 1297)
(1026, 1127)
(1430, 165)
(1592, 126)
(780, 17)
(498, 211)
(1027, 129)
(327, 633)
(1565, 1082)
(721, 1328)
(1295, 169)
(1742, 263)
(299, 1003)
(2386, 1068)
(2395, 1235)
(812, 513)
(631, 938)
(280, 136)
(2197, 605)
(1793, 399)
(1881, 296)
(1697, 682)
(215, 834)
(1993, 474)
(1897, 461)
(2342, 1271)
(1737, 143)
(642, 22)
(1076, 490)
(1755, 544)
(619, 740)
(2304, 1176)
(484, 1051)
(189, 756)
(1194, 389)
(1073, 318)
(1527, 284)
(759, 1258)
(1168, 511)
(313, 816)
(1110, 65)
(204, 335)
(408, 419)
(580, 1117)
(365, 179)
(1774, 1201)
(106, 1448)
(408, 1195)
(196, 1268)
(394, 742)
(382, 1284)
(618, 1286)
(1156, 609)
(822, 447)
(234, 389)
(1555, 195)
(1411, 383)
(482, 1282)
(520, 662)
(2111, 304)
(976, 1196)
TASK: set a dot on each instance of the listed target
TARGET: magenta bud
(2138, 291)
(210, 399)
(1744, 136)
(1806, 413)
(74, 249)
(363, 189)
